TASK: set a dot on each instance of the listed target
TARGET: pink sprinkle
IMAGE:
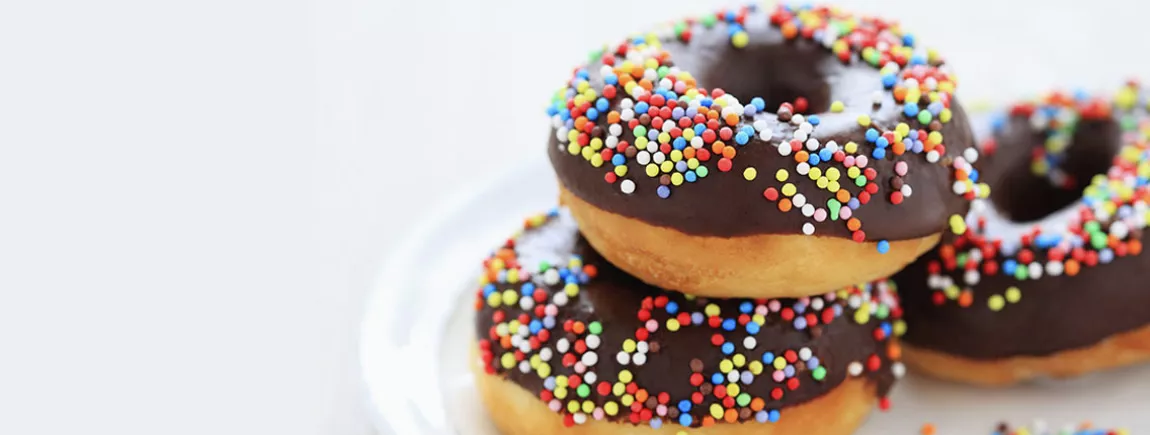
(820, 215)
(761, 310)
(652, 325)
(661, 410)
(849, 161)
(779, 376)
(551, 310)
(900, 168)
(845, 213)
(860, 161)
(774, 305)
(597, 414)
(555, 406)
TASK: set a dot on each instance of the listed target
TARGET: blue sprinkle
(789, 371)
(583, 74)
(601, 104)
(889, 80)
(729, 324)
(677, 113)
(549, 322)
(653, 135)
(690, 177)
(583, 278)
(549, 383)
(752, 328)
(488, 290)
(813, 119)
(762, 416)
(641, 108)
(552, 111)
(769, 357)
(800, 323)
(853, 203)
(917, 59)
(684, 406)
(871, 135)
(535, 326)
(740, 138)
(749, 110)
(527, 289)
(918, 147)
(910, 109)
(592, 114)
(838, 309)
(638, 40)
(730, 16)
(707, 102)
(681, 166)
(679, 143)
(878, 153)
(618, 160)
(699, 129)
(935, 108)
(1047, 240)
(718, 378)
(1105, 256)
(974, 175)
(663, 192)
(733, 29)
(569, 123)
(883, 246)
(813, 159)
(746, 307)
(826, 155)
(565, 115)
(697, 318)
(813, 363)
(685, 419)
(882, 142)
(728, 348)
(886, 329)
(611, 79)
(746, 377)
(774, 415)
(1008, 266)
(759, 103)
(656, 423)
(908, 40)
(690, 113)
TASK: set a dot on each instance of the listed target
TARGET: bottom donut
(518, 412)
(564, 339)
(1119, 350)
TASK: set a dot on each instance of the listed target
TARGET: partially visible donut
(563, 338)
(764, 153)
(1007, 302)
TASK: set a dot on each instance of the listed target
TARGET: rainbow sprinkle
(635, 115)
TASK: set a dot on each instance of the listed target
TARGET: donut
(567, 343)
(1062, 293)
(764, 152)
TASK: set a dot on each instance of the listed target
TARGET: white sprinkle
(749, 343)
(1054, 268)
(556, 122)
(807, 127)
(642, 347)
(560, 299)
(650, 74)
(668, 126)
(855, 368)
(524, 366)
(1119, 229)
(906, 190)
(808, 211)
(555, 405)
(733, 376)
(932, 156)
(832, 145)
(526, 303)
(800, 135)
(639, 359)
(658, 157)
(854, 301)
(665, 84)
(805, 353)
(803, 168)
(971, 277)
(611, 142)
(817, 304)
(1035, 271)
(615, 129)
(580, 367)
(580, 417)
(545, 354)
(766, 135)
(561, 134)
(627, 115)
(627, 186)
(697, 142)
(898, 370)
(959, 187)
(551, 276)
(799, 200)
(626, 104)
(931, 83)
(971, 155)
(623, 358)
(593, 341)
(562, 346)
(808, 228)
(760, 125)
(876, 97)
(590, 358)
(797, 119)
(590, 377)
(784, 149)
(813, 144)
(643, 157)
(652, 146)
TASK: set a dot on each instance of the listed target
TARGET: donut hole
(777, 73)
(1023, 196)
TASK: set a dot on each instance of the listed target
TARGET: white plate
(418, 324)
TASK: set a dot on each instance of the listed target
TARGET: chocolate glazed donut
(698, 183)
(1007, 301)
(566, 339)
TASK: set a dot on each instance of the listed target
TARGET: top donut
(764, 152)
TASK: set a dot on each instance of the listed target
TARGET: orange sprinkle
(578, 327)
(732, 119)
(641, 395)
(713, 114)
(580, 122)
(854, 224)
(894, 351)
(960, 175)
(590, 270)
(708, 421)
(1072, 267)
(898, 148)
(646, 84)
(802, 156)
(731, 416)
(505, 341)
(843, 196)
(613, 117)
(1134, 247)
(785, 205)
(899, 93)
(717, 147)
(757, 404)
(637, 71)
(688, 153)
(927, 429)
(789, 30)
(946, 252)
(966, 298)
(729, 152)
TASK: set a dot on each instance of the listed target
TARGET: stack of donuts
(741, 195)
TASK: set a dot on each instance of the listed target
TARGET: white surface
(196, 196)
(411, 395)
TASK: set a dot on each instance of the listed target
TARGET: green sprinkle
(819, 373)
(1020, 272)
(834, 206)
(640, 131)
(543, 266)
(860, 181)
(924, 117)
(708, 21)
(595, 328)
(744, 399)
(583, 390)
(1098, 240)
(701, 171)
(882, 312)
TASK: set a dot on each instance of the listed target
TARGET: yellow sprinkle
(760, 319)
(596, 144)
(688, 134)
(587, 153)
(755, 367)
(934, 138)
(780, 363)
(945, 116)
(625, 376)
(957, 224)
(597, 160)
(726, 365)
(733, 389)
(822, 182)
(618, 389)
(510, 297)
(573, 406)
(789, 189)
(534, 360)
(815, 173)
(851, 147)
(629, 347)
(749, 173)
(667, 166)
(833, 186)
(544, 370)
(853, 172)
(716, 410)
(676, 155)
(996, 302)
(627, 400)
(611, 408)
(864, 120)
(572, 290)
(899, 328)
(494, 299)
(513, 327)
(902, 129)
(652, 170)
(664, 137)
(621, 170)
(513, 276)
(692, 163)
(739, 360)
(740, 39)
(837, 107)
(573, 148)
(677, 178)
(1013, 295)
(672, 324)
(781, 175)
(711, 310)
(561, 381)
(588, 406)
(507, 360)
(862, 315)
(951, 292)
(833, 174)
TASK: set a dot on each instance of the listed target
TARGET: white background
(195, 195)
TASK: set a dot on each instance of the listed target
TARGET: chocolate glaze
(1056, 313)
(614, 298)
(778, 70)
